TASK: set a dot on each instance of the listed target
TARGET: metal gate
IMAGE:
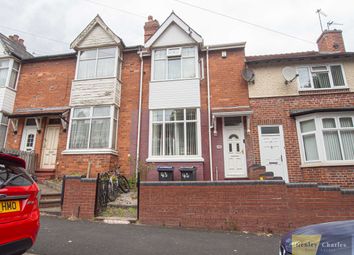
(101, 193)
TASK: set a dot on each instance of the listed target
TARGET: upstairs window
(8, 73)
(321, 77)
(97, 63)
(174, 63)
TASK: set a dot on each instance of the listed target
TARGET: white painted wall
(2, 94)
(96, 38)
(173, 36)
(7, 99)
(174, 94)
(95, 92)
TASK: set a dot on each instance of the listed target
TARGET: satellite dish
(289, 74)
(248, 75)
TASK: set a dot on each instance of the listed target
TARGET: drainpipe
(139, 114)
(209, 118)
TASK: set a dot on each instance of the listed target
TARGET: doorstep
(116, 220)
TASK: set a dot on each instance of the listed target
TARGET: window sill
(96, 78)
(181, 79)
(93, 151)
(324, 164)
(323, 91)
(177, 159)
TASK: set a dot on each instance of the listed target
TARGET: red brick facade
(257, 207)
(79, 198)
(276, 110)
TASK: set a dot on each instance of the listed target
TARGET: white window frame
(327, 65)
(89, 150)
(117, 64)
(176, 158)
(9, 71)
(4, 125)
(322, 157)
(196, 60)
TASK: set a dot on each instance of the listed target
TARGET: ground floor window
(174, 132)
(327, 137)
(3, 127)
(93, 127)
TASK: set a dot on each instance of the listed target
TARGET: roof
(50, 57)
(295, 56)
(173, 18)
(13, 48)
(225, 46)
(96, 21)
(299, 112)
(32, 112)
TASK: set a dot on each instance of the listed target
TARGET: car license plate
(9, 206)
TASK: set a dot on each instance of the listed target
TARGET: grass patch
(129, 212)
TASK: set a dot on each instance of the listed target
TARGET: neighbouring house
(41, 112)
(12, 52)
(302, 129)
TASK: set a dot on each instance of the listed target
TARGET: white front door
(28, 138)
(50, 146)
(272, 150)
(234, 148)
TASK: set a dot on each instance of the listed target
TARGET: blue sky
(63, 20)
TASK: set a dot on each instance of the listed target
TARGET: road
(59, 237)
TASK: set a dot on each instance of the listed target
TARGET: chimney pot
(331, 41)
(150, 27)
(15, 38)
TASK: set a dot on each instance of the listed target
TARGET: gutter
(209, 117)
(139, 113)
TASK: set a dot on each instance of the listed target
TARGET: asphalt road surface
(63, 237)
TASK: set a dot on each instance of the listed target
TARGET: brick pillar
(79, 197)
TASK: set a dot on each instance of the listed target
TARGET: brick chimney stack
(331, 41)
(15, 38)
(150, 27)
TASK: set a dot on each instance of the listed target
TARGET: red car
(19, 210)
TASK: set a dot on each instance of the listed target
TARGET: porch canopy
(37, 114)
(299, 112)
(219, 112)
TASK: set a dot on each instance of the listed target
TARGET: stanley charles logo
(321, 245)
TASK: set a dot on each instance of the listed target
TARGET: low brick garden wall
(256, 206)
(79, 197)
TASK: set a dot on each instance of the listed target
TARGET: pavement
(59, 236)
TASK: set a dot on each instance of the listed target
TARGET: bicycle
(117, 184)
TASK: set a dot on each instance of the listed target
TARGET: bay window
(174, 132)
(97, 63)
(93, 128)
(321, 77)
(9, 69)
(174, 63)
(327, 138)
(3, 128)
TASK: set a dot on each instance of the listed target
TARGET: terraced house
(176, 104)
(302, 129)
